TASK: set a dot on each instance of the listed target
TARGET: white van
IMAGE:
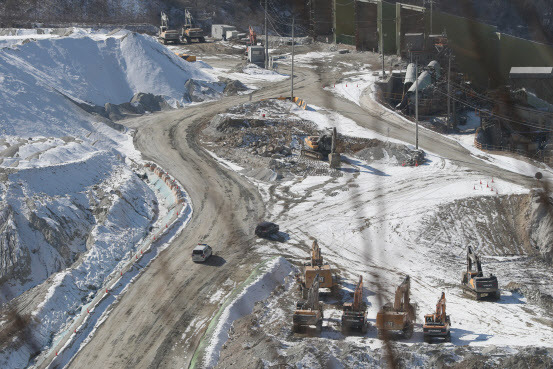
(201, 253)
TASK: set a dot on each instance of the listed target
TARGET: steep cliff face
(50, 216)
(540, 227)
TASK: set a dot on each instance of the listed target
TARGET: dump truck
(437, 325)
(322, 147)
(473, 281)
(354, 314)
(189, 32)
(165, 34)
(317, 269)
(397, 317)
(309, 312)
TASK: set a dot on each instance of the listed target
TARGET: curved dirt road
(145, 328)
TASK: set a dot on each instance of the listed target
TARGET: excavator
(252, 40)
(309, 312)
(354, 314)
(165, 34)
(320, 147)
(437, 325)
(397, 317)
(189, 32)
(473, 281)
(317, 269)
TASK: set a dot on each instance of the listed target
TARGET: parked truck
(189, 32)
(167, 35)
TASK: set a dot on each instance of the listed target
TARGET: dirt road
(146, 329)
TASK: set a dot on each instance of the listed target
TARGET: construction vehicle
(187, 57)
(317, 269)
(473, 281)
(309, 312)
(399, 316)
(354, 314)
(165, 34)
(252, 37)
(189, 32)
(437, 325)
(320, 147)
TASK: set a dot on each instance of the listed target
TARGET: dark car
(266, 229)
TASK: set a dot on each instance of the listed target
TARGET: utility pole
(449, 92)
(293, 42)
(416, 104)
(431, 17)
(334, 20)
(382, 43)
(266, 39)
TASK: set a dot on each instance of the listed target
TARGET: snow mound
(39, 79)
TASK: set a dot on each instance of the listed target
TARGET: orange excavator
(399, 316)
(316, 268)
(354, 315)
(437, 325)
(252, 36)
(309, 312)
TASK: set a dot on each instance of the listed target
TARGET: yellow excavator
(354, 314)
(321, 147)
(399, 316)
(437, 325)
(317, 269)
(309, 312)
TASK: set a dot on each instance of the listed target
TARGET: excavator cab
(437, 325)
(316, 269)
(309, 312)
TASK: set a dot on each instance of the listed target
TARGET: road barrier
(52, 356)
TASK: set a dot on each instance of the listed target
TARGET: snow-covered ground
(384, 221)
(251, 75)
(72, 207)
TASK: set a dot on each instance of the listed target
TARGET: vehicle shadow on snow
(514, 298)
(358, 163)
(279, 237)
(457, 333)
(215, 260)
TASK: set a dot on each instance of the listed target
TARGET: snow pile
(36, 77)
(71, 204)
(251, 75)
(257, 287)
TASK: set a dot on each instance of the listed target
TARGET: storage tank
(410, 76)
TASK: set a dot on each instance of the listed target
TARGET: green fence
(482, 53)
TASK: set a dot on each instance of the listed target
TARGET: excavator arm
(472, 261)
(316, 257)
(358, 295)
(440, 315)
(401, 302)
